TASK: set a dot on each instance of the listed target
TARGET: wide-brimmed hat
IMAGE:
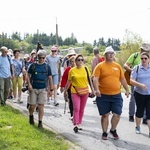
(109, 49)
(145, 47)
(26, 56)
(71, 51)
(33, 51)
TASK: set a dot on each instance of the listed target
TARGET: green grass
(17, 134)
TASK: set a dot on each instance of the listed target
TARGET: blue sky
(87, 19)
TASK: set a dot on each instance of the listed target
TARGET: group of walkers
(43, 77)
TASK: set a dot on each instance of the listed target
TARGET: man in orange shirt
(108, 77)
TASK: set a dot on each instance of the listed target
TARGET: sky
(88, 20)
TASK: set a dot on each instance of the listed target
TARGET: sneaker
(131, 118)
(48, 102)
(56, 104)
(114, 134)
(31, 119)
(104, 136)
(19, 101)
(75, 129)
(14, 100)
(137, 130)
(10, 97)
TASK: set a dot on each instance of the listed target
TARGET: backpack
(10, 64)
(33, 67)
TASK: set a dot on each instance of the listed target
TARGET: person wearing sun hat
(65, 62)
(53, 61)
(107, 78)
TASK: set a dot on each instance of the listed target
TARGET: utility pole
(37, 35)
(56, 33)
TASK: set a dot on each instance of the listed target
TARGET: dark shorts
(108, 103)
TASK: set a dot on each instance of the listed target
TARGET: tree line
(29, 41)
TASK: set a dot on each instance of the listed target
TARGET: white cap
(145, 47)
(26, 56)
(109, 49)
(71, 51)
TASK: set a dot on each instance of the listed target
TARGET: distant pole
(56, 33)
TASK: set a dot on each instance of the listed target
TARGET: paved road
(90, 137)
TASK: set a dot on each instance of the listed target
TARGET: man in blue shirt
(39, 76)
(6, 73)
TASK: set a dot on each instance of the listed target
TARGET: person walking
(17, 81)
(38, 76)
(6, 73)
(108, 77)
(132, 61)
(53, 61)
(63, 84)
(78, 79)
(140, 76)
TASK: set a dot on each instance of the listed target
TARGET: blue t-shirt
(141, 75)
(5, 66)
(53, 62)
(39, 75)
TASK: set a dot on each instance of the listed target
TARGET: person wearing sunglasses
(140, 77)
(133, 60)
(107, 78)
(78, 79)
(54, 62)
(6, 73)
(38, 76)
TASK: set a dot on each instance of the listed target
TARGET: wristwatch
(51, 89)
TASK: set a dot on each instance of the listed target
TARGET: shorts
(37, 96)
(107, 103)
(55, 79)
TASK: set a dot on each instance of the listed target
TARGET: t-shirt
(53, 62)
(134, 61)
(109, 75)
(5, 67)
(79, 79)
(39, 75)
(18, 65)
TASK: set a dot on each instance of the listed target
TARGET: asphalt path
(56, 119)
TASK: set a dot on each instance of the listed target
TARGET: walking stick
(66, 100)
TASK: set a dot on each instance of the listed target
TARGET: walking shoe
(56, 104)
(131, 118)
(19, 101)
(40, 126)
(31, 119)
(137, 130)
(105, 136)
(144, 121)
(14, 100)
(48, 102)
(114, 134)
(75, 129)
(10, 97)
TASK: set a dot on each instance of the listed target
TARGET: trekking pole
(66, 100)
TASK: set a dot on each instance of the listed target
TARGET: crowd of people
(41, 75)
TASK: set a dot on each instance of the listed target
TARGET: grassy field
(17, 134)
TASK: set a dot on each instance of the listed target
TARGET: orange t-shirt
(109, 75)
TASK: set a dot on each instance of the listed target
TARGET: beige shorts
(37, 96)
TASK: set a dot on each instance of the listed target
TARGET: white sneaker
(137, 130)
(48, 102)
(14, 100)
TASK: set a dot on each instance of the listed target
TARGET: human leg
(6, 88)
(70, 103)
(20, 83)
(2, 91)
(14, 83)
(132, 105)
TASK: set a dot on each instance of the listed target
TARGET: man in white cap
(134, 59)
(107, 78)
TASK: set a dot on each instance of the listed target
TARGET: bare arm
(127, 67)
(125, 86)
(95, 82)
(67, 87)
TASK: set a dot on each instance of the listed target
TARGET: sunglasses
(54, 51)
(41, 57)
(80, 59)
(144, 58)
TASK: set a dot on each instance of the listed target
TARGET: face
(109, 56)
(41, 58)
(79, 61)
(54, 52)
(144, 59)
(72, 62)
(4, 52)
(17, 54)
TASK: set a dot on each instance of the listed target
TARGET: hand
(98, 93)
(61, 89)
(127, 93)
(65, 93)
(144, 87)
(30, 87)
